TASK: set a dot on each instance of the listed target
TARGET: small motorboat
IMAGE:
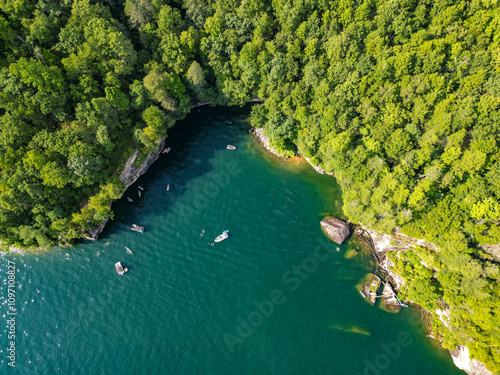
(120, 269)
(137, 228)
(401, 303)
(128, 250)
(129, 199)
(140, 187)
(139, 192)
(222, 237)
(230, 147)
(166, 150)
(168, 187)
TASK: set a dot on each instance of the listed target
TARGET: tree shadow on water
(194, 141)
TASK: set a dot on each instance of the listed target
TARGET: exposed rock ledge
(336, 229)
(460, 355)
(398, 241)
(463, 361)
(128, 176)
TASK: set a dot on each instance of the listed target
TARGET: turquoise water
(277, 297)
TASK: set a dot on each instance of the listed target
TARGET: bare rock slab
(337, 230)
(389, 300)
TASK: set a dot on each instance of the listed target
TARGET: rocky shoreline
(381, 243)
(130, 174)
(264, 141)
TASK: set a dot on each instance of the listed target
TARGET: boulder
(336, 229)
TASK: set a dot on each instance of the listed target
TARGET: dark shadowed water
(276, 297)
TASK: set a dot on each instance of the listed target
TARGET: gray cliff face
(128, 176)
(93, 234)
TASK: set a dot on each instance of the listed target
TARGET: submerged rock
(336, 229)
(369, 287)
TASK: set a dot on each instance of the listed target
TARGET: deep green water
(180, 308)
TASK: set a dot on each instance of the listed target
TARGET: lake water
(276, 297)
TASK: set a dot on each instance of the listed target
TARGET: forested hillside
(400, 99)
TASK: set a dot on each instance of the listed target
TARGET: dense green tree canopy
(400, 99)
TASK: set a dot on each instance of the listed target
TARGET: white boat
(120, 269)
(128, 250)
(230, 147)
(222, 237)
(137, 228)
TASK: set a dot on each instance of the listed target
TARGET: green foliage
(196, 79)
(155, 127)
(399, 99)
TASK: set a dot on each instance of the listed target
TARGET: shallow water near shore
(276, 297)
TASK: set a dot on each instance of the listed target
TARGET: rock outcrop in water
(370, 287)
(397, 241)
(336, 229)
